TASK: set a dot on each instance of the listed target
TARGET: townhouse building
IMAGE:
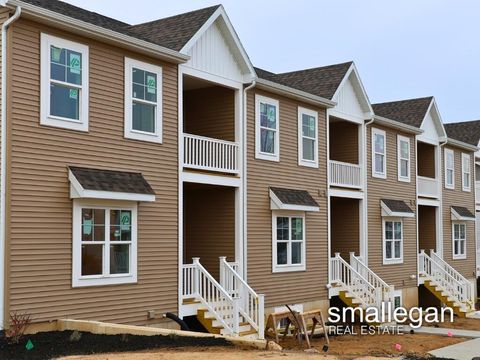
(151, 168)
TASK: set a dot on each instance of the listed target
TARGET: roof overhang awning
(291, 199)
(461, 213)
(88, 183)
(396, 208)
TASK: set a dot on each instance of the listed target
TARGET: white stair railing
(251, 304)
(385, 290)
(344, 274)
(198, 283)
(450, 280)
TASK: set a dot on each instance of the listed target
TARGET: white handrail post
(196, 276)
(352, 257)
(236, 317)
(222, 270)
(261, 316)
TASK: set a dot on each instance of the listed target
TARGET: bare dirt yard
(341, 347)
(461, 323)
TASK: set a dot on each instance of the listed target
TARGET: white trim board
(428, 202)
(186, 176)
(346, 194)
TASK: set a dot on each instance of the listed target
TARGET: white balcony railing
(345, 174)
(477, 192)
(203, 153)
(427, 187)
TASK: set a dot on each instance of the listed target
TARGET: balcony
(204, 153)
(477, 192)
(344, 174)
(428, 187)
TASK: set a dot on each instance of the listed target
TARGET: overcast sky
(402, 48)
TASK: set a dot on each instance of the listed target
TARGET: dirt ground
(461, 323)
(341, 347)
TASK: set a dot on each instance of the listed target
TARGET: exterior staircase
(357, 285)
(225, 307)
(446, 283)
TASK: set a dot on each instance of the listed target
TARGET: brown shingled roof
(321, 81)
(172, 32)
(175, 31)
(466, 131)
(410, 112)
(294, 197)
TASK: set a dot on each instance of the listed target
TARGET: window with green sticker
(64, 78)
(143, 101)
(267, 131)
(307, 137)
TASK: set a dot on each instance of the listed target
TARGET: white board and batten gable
(217, 54)
(432, 126)
(351, 98)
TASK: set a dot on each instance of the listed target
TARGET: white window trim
(301, 161)
(45, 118)
(384, 240)
(130, 133)
(259, 154)
(399, 294)
(287, 268)
(401, 139)
(99, 280)
(469, 188)
(446, 153)
(384, 134)
(459, 256)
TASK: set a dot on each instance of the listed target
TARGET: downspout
(3, 159)
(365, 185)
(440, 193)
(244, 177)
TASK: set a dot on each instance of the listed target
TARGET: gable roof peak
(410, 111)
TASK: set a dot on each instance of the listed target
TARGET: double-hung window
(64, 83)
(143, 101)
(307, 137)
(403, 153)
(392, 241)
(104, 244)
(267, 129)
(466, 172)
(459, 240)
(449, 168)
(379, 154)
(288, 232)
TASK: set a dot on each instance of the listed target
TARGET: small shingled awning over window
(461, 213)
(396, 208)
(290, 199)
(108, 184)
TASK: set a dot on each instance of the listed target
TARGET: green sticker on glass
(29, 345)
(74, 63)
(151, 84)
(56, 54)
(74, 94)
(125, 221)
(87, 227)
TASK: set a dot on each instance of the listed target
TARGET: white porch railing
(209, 154)
(427, 187)
(385, 290)
(198, 283)
(345, 174)
(445, 276)
(251, 304)
(477, 192)
(342, 273)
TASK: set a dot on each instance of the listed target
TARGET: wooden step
(190, 301)
(248, 332)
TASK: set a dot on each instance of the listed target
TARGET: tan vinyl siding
(391, 188)
(345, 228)
(457, 197)
(41, 220)
(209, 225)
(344, 141)
(210, 112)
(287, 287)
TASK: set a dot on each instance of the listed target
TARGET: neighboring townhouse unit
(445, 204)
(150, 168)
(469, 132)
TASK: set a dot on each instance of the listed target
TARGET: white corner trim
(78, 192)
(277, 204)
(301, 161)
(129, 132)
(387, 212)
(46, 118)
